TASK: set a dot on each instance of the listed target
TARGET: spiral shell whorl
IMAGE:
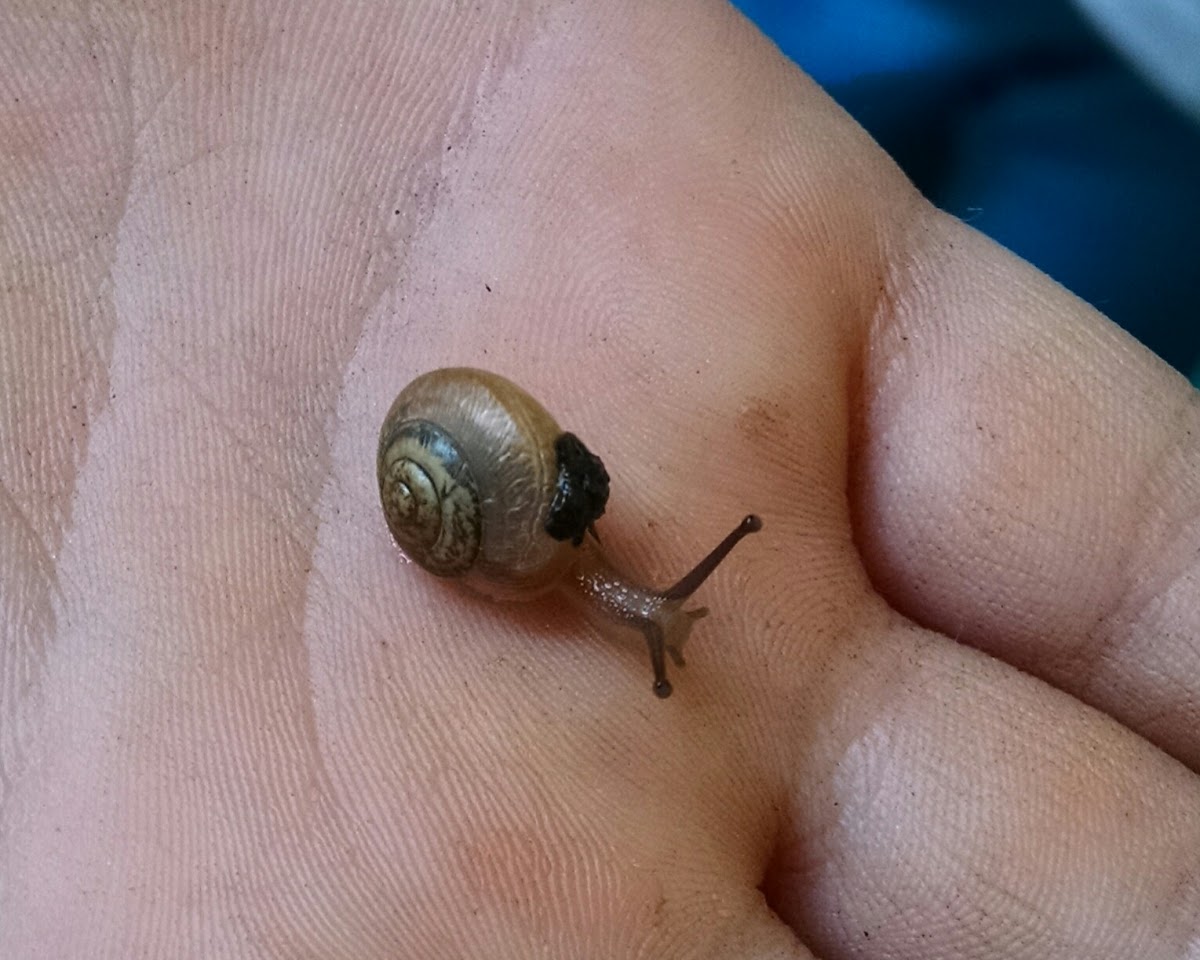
(502, 446)
(430, 498)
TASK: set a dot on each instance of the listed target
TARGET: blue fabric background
(1018, 118)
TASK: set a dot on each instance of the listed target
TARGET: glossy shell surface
(503, 444)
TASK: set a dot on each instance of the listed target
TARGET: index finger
(1028, 482)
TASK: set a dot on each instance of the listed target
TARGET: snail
(479, 483)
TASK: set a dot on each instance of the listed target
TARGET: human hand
(233, 723)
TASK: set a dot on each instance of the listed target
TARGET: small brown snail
(478, 482)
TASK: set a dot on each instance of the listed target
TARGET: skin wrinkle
(1145, 502)
(1132, 606)
(21, 664)
(48, 511)
(897, 261)
(264, 474)
(1098, 652)
(797, 851)
(40, 552)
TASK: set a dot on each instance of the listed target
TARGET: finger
(964, 809)
(1028, 481)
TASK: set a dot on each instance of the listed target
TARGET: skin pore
(946, 704)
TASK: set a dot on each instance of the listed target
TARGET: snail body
(479, 483)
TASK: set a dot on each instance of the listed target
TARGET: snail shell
(478, 481)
